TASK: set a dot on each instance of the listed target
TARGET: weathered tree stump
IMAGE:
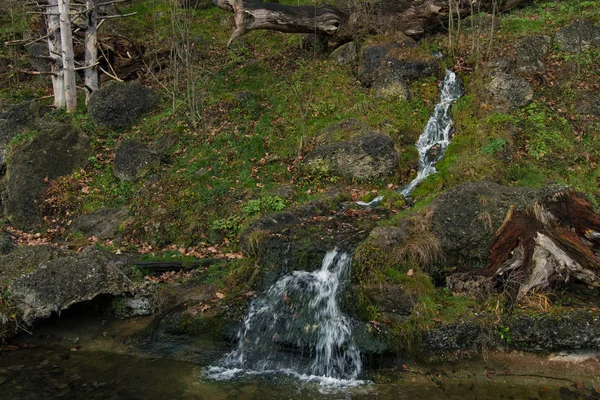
(556, 239)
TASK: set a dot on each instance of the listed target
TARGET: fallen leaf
(219, 295)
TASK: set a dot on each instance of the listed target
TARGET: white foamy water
(435, 138)
(297, 328)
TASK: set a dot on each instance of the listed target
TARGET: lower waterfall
(297, 328)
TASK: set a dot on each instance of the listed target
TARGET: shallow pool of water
(78, 357)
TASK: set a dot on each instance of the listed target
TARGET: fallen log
(410, 17)
(555, 240)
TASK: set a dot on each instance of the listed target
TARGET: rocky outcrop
(297, 239)
(577, 37)
(530, 53)
(133, 160)
(398, 61)
(54, 151)
(42, 279)
(508, 92)
(465, 218)
(366, 157)
(118, 105)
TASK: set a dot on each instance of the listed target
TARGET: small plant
(229, 226)
(26, 136)
(504, 334)
(494, 146)
(269, 203)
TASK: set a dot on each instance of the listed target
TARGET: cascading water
(297, 328)
(435, 138)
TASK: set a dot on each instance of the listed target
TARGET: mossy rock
(55, 150)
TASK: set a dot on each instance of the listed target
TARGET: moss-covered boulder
(508, 92)
(133, 160)
(465, 217)
(530, 53)
(299, 238)
(366, 157)
(118, 105)
(55, 150)
(13, 121)
(400, 60)
(41, 280)
(577, 37)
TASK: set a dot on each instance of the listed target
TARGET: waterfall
(435, 138)
(296, 327)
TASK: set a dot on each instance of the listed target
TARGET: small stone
(345, 54)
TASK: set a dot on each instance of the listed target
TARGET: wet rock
(44, 280)
(465, 218)
(395, 60)
(530, 53)
(118, 105)
(509, 92)
(366, 157)
(453, 341)
(103, 224)
(579, 36)
(54, 151)
(389, 86)
(298, 239)
(140, 305)
(345, 54)
(575, 330)
(133, 160)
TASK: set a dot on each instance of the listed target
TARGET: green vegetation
(262, 104)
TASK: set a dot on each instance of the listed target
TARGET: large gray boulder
(398, 60)
(118, 105)
(133, 160)
(366, 157)
(530, 53)
(509, 92)
(42, 279)
(465, 218)
(54, 151)
(578, 36)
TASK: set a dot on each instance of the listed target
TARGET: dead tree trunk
(555, 240)
(54, 48)
(91, 51)
(68, 57)
(411, 17)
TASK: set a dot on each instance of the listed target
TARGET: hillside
(234, 130)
